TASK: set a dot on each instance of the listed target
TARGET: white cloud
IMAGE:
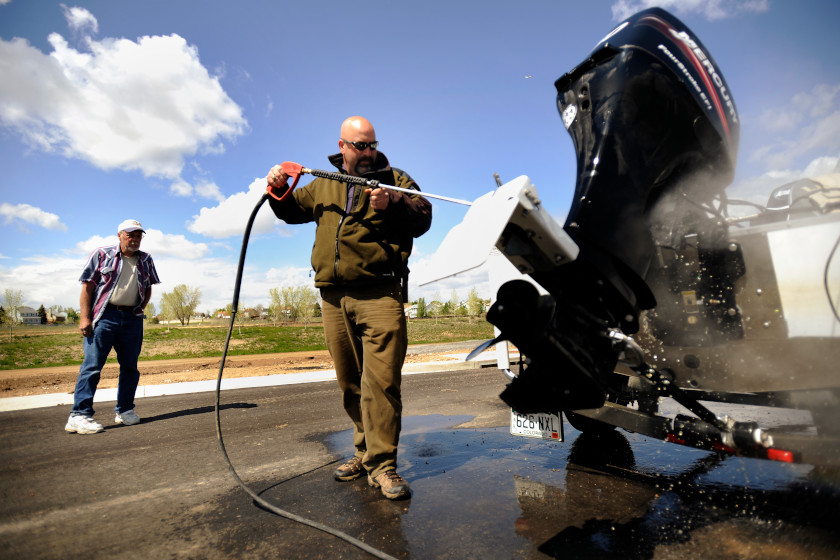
(822, 100)
(202, 189)
(156, 243)
(231, 215)
(757, 189)
(289, 276)
(79, 19)
(160, 244)
(207, 189)
(30, 214)
(52, 280)
(180, 187)
(462, 284)
(780, 120)
(47, 280)
(133, 105)
(216, 277)
(213, 277)
(808, 127)
(710, 9)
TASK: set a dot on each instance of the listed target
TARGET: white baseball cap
(130, 225)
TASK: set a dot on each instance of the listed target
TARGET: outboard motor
(656, 131)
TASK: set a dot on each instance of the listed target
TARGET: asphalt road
(162, 489)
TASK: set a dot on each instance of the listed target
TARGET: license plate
(539, 425)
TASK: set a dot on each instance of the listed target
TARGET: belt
(127, 308)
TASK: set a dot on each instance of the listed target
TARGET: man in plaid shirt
(116, 286)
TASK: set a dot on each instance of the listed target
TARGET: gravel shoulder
(40, 381)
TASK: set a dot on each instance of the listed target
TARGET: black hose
(825, 280)
(335, 532)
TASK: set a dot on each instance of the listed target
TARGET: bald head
(355, 125)
(357, 129)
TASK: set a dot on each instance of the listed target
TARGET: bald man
(360, 256)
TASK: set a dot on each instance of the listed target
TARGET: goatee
(363, 166)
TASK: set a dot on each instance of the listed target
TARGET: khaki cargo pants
(366, 335)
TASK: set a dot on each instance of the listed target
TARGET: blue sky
(173, 112)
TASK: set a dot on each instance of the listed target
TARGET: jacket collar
(380, 164)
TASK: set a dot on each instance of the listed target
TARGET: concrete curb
(8, 404)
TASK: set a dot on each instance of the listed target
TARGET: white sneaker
(129, 418)
(83, 425)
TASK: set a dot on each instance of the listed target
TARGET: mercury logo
(710, 69)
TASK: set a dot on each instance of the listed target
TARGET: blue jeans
(122, 331)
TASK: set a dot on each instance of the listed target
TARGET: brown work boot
(391, 484)
(350, 470)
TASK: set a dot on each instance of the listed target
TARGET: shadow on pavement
(190, 412)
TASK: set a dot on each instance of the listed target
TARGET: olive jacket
(355, 244)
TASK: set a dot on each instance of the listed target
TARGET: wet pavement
(162, 490)
(487, 494)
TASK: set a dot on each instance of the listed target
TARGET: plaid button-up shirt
(103, 268)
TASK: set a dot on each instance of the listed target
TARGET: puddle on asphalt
(483, 493)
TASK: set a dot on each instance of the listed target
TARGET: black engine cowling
(656, 132)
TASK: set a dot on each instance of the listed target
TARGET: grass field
(61, 345)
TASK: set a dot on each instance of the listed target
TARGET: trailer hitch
(707, 425)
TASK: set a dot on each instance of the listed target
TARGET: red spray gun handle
(291, 169)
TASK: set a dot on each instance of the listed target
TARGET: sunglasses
(134, 234)
(362, 146)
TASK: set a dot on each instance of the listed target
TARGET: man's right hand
(86, 327)
(276, 178)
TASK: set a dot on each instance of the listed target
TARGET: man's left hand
(379, 198)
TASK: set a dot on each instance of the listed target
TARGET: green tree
(475, 306)
(287, 296)
(180, 303)
(306, 298)
(435, 307)
(295, 303)
(275, 309)
(151, 312)
(42, 313)
(421, 307)
(454, 303)
(240, 316)
(237, 317)
(13, 303)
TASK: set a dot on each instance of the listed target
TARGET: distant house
(29, 316)
(434, 308)
(410, 310)
(60, 317)
(250, 313)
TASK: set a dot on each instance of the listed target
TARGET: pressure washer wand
(295, 170)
